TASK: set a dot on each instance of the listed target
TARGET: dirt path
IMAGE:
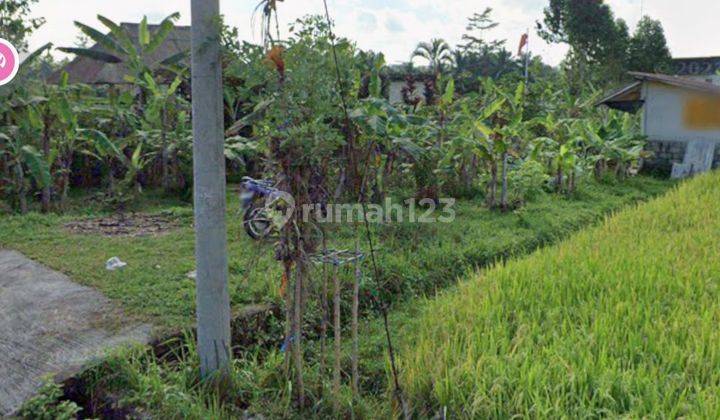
(51, 326)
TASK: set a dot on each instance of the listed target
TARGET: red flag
(523, 43)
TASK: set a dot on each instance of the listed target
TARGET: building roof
(89, 71)
(677, 81)
(629, 99)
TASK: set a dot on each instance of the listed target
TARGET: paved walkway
(50, 326)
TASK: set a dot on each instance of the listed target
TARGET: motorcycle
(257, 198)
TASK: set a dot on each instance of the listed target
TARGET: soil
(134, 224)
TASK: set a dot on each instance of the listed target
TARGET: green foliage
(16, 25)
(437, 53)
(598, 43)
(588, 26)
(121, 49)
(527, 182)
(414, 261)
(648, 50)
(479, 58)
(46, 405)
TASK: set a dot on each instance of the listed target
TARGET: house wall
(671, 119)
(667, 119)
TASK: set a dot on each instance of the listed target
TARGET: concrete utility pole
(213, 301)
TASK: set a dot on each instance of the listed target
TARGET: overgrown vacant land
(325, 315)
(621, 320)
(413, 258)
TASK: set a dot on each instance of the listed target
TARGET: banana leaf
(92, 54)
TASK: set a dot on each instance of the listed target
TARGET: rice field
(619, 321)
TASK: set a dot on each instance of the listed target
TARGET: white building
(681, 118)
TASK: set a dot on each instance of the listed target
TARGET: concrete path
(50, 326)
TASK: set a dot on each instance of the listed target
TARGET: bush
(47, 405)
(527, 182)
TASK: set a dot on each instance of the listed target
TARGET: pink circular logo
(9, 62)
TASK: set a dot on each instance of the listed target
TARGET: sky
(394, 27)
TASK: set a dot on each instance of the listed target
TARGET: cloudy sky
(396, 26)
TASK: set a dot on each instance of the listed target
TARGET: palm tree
(437, 52)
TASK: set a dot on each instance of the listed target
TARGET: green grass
(619, 321)
(414, 259)
(154, 286)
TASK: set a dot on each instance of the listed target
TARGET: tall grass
(620, 320)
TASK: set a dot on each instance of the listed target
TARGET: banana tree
(23, 160)
(118, 46)
(511, 134)
(68, 113)
(163, 113)
(468, 146)
(547, 147)
(387, 141)
(113, 115)
(613, 143)
(14, 99)
(560, 148)
(503, 126)
(459, 155)
(103, 149)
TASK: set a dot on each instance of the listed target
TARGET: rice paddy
(619, 321)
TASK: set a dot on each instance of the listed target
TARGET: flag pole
(527, 57)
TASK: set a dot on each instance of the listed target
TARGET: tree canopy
(648, 50)
(601, 48)
(15, 23)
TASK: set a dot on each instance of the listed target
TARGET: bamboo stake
(336, 327)
(325, 314)
(297, 333)
(288, 316)
(355, 315)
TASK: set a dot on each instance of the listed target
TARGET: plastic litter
(114, 263)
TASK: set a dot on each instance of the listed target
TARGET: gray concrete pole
(213, 301)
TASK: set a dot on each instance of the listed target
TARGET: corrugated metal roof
(89, 71)
(677, 81)
(628, 98)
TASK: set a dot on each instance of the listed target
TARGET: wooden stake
(287, 273)
(355, 315)
(336, 327)
(325, 314)
(297, 333)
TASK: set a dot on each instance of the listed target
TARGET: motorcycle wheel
(256, 223)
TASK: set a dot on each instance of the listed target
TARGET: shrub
(46, 405)
(527, 181)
